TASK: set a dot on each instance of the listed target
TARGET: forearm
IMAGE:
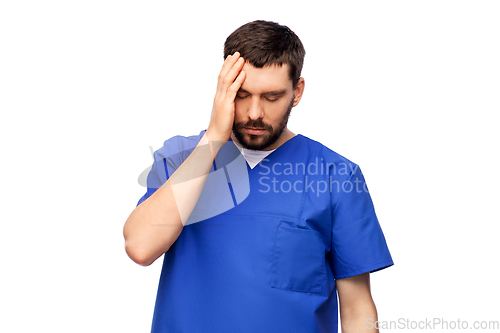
(361, 319)
(156, 223)
(357, 309)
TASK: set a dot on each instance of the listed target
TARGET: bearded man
(260, 228)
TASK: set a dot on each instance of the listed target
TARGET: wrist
(214, 144)
(217, 137)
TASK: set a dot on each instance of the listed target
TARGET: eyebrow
(267, 93)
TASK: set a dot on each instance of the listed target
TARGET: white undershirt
(253, 157)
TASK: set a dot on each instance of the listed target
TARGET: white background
(407, 89)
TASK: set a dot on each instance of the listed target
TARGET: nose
(255, 110)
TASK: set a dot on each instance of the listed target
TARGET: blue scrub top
(267, 260)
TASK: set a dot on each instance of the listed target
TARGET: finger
(228, 64)
(233, 89)
(230, 77)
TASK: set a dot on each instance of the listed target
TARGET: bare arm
(356, 304)
(155, 224)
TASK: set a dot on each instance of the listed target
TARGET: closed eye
(241, 95)
(274, 96)
(272, 99)
(271, 96)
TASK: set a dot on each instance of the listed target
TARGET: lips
(254, 130)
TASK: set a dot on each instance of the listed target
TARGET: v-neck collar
(277, 151)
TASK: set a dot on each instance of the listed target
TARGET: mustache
(253, 123)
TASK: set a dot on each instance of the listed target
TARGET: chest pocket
(298, 262)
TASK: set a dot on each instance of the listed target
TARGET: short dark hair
(265, 43)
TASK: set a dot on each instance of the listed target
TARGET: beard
(261, 142)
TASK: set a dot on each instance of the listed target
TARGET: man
(273, 256)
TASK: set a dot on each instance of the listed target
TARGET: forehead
(268, 78)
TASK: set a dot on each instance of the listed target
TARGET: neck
(284, 137)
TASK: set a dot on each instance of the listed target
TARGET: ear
(299, 90)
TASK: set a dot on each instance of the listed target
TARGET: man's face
(263, 105)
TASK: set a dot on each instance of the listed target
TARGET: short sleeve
(358, 243)
(157, 176)
(167, 159)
